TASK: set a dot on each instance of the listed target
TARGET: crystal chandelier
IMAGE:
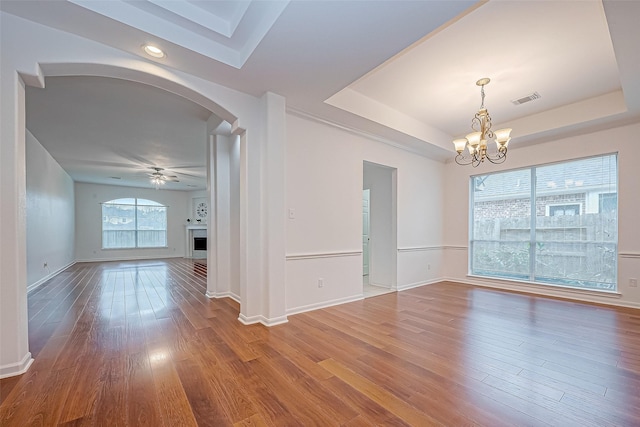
(476, 142)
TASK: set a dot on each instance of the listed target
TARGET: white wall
(89, 221)
(622, 140)
(324, 191)
(50, 215)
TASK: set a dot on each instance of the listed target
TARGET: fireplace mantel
(196, 226)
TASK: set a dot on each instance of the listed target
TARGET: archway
(16, 358)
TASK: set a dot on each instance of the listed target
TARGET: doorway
(379, 229)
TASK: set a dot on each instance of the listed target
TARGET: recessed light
(154, 51)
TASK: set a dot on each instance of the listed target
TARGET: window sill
(137, 247)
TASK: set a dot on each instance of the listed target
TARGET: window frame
(532, 241)
(136, 230)
(555, 205)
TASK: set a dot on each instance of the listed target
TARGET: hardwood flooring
(139, 344)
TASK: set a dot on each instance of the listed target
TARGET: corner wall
(324, 209)
(50, 215)
(622, 140)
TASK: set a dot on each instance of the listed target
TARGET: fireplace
(199, 243)
(196, 240)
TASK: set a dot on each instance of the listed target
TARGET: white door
(365, 232)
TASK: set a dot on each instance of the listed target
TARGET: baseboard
(261, 319)
(40, 282)
(324, 304)
(135, 258)
(578, 295)
(418, 284)
(228, 294)
(18, 368)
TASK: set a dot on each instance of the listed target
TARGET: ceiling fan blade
(187, 167)
(139, 160)
(103, 163)
(193, 175)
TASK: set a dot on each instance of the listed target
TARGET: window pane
(127, 224)
(118, 226)
(575, 237)
(576, 240)
(152, 226)
(501, 224)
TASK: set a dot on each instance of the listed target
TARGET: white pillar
(15, 357)
(275, 115)
(262, 207)
(219, 228)
(212, 259)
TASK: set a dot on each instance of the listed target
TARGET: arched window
(133, 223)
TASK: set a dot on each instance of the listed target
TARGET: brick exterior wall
(521, 208)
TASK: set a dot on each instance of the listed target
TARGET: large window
(133, 223)
(554, 224)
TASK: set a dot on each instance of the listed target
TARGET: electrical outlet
(320, 282)
(633, 283)
(45, 265)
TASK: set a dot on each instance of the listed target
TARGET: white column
(15, 357)
(212, 259)
(275, 114)
(219, 224)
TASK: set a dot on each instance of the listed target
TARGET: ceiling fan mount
(158, 175)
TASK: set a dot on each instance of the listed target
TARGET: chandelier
(476, 142)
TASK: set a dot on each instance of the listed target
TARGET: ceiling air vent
(534, 95)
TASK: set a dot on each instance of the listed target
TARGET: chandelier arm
(463, 161)
(500, 157)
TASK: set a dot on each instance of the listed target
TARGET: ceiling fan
(158, 178)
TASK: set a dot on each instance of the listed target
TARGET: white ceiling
(113, 131)
(403, 71)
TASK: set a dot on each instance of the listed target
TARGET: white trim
(294, 257)
(417, 284)
(34, 286)
(549, 291)
(354, 131)
(578, 204)
(629, 255)
(550, 286)
(130, 258)
(227, 294)
(455, 248)
(261, 319)
(421, 248)
(325, 304)
(18, 368)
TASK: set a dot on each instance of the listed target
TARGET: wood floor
(139, 344)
